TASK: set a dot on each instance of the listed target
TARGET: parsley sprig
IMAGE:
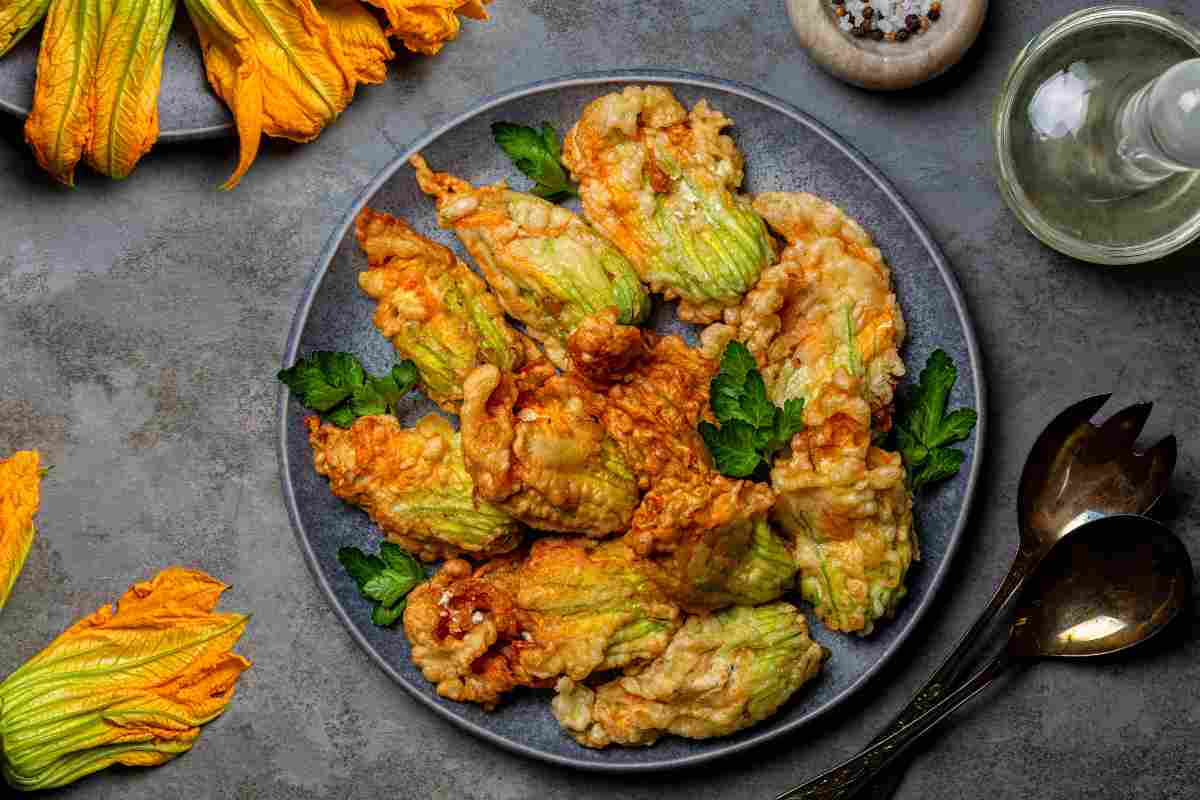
(751, 428)
(386, 578)
(924, 430)
(336, 385)
(538, 155)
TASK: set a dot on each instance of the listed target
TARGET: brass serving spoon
(1076, 471)
(1110, 584)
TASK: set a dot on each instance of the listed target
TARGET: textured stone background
(141, 322)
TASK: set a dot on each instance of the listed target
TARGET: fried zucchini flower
(129, 684)
(709, 544)
(720, 674)
(425, 25)
(828, 305)
(847, 506)
(656, 392)
(437, 312)
(568, 607)
(19, 484)
(413, 484)
(543, 455)
(17, 18)
(98, 75)
(662, 183)
(548, 267)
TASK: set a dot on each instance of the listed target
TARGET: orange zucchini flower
(425, 25)
(17, 18)
(129, 684)
(98, 75)
(19, 476)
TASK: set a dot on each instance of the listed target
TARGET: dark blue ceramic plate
(785, 149)
(187, 108)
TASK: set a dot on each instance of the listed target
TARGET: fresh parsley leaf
(751, 428)
(336, 385)
(537, 154)
(924, 429)
(386, 579)
(734, 448)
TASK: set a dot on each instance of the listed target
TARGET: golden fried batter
(709, 543)
(413, 484)
(656, 392)
(662, 183)
(546, 265)
(827, 305)
(849, 509)
(567, 607)
(720, 674)
(543, 456)
(437, 312)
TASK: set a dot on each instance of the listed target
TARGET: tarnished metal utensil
(1108, 585)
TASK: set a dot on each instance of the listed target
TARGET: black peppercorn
(868, 12)
(857, 32)
(877, 35)
(934, 14)
(912, 22)
(902, 34)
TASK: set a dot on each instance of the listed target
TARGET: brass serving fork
(1075, 472)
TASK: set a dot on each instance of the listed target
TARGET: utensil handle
(949, 673)
(848, 777)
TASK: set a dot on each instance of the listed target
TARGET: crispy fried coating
(543, 456)
(656, 391)
(464, 631)
(566, 607)
(413, 484)
(849, 509)
(827, 305)
(720, 674)
(437, 312)
(661, 183)
(709, 544)
(548, 267)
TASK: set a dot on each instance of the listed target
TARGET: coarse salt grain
(887, 16)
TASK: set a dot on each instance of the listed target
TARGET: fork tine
(1121, 430)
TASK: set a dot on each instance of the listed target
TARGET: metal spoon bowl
(1109, 585)
(1076, 471)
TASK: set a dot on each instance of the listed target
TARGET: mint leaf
(362, 567)
(537, 154)
(788, 423)
(311, 385)
(342, 416)
(924, 429)
(388, 587)
(399, 560)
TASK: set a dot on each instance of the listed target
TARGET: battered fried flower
(721, 673)
(544, 456)
(437, 312)
(709, 544)
(846, 504)
(546, 265)
(413, 484)
(826, 306)
(661, 183)
(656, 392)
(463, 630)
(570, 607)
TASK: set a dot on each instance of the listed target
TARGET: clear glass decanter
(1097, 134)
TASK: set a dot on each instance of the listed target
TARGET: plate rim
(599, 78)
(167, 137)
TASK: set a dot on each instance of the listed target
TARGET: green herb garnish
(924, 429)
(336, 385)
(386, 578)
(751, 428)
(538, 155)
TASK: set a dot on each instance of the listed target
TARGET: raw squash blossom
(130, 684)
(96, 97)
(17, 18)
(19, 476)
(425, 25)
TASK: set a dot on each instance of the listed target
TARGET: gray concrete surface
(141, 324)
